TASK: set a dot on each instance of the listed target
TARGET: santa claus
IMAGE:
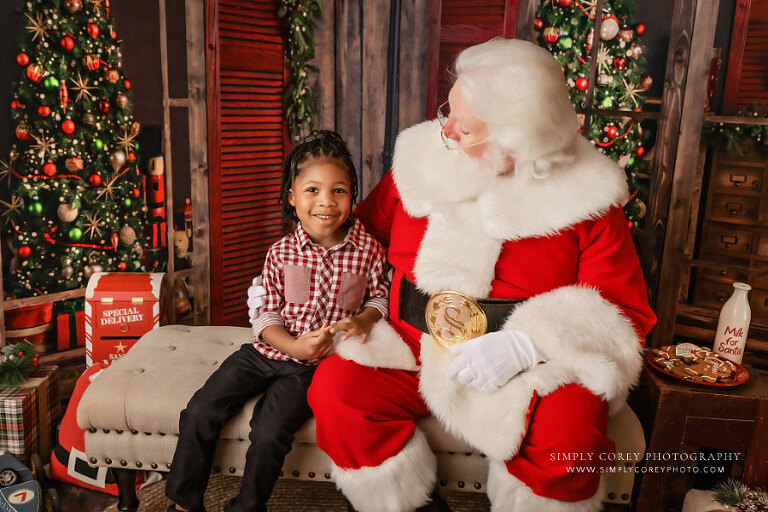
(518, 308)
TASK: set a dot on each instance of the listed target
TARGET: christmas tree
(566, 28)
(76, 202)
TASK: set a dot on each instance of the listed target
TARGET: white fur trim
(494, 423)
(383, 349)
(587, 340)
(508, 494)
(400, 483)
(432, 180)
(585, 337)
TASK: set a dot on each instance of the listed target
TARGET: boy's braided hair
(318, 146)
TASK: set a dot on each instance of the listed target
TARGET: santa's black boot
(436, 503)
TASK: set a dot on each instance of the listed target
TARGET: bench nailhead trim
(625, 496)
(92, 430)
(153, 465)
(468, 454)
(138, 464)
(148, 433)
(296, 474)
(134, 431)
(168, 465)
(161, 433)
(478, 485)
(311, 474)
(106, 431)
(443, 483)
(327, 476)
(93, 460)
(232, 470)
(611, 496)
(108, 461)
(123, 462)
(171, 347)
(217, 469)
(461, 484)
(118, 431)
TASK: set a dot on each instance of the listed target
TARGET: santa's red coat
(563, 244)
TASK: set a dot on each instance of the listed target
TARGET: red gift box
(70, 330)
(28, 413)
(29, 323)
(120, 307)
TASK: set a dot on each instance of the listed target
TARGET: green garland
(300, 98)
(731, 135)
(16, 362)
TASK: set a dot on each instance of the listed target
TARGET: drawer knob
(738, 179)
(728, 240)
(733, 208)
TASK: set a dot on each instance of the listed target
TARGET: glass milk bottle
(731, 334)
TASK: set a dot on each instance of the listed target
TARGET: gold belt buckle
(453, 317)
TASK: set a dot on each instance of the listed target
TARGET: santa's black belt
(413, 307)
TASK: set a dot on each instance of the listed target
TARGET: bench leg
(126, 485)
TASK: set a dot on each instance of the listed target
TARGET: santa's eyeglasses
(450, 144)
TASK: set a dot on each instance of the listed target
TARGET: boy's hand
(359, 325)
(314, 344)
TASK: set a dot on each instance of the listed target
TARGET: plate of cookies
(696, 365)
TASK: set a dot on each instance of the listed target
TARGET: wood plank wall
(351, 44)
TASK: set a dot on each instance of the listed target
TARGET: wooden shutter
(459, 24)
(747, 78)
(246, 79)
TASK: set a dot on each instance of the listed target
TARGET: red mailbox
(120, 307)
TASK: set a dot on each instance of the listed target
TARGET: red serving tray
(740, 374)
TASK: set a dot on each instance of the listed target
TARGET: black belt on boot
(413, 309)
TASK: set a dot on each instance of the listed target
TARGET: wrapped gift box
(120, 307)
(28, 413)
(70, 330)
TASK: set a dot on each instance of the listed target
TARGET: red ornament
(35, 72)
(127, 84)
(104, 106)
(16, 104)
(22, 131)
(22, 59)
(640, 151)
(91, 62)
(93, 30)
(131, 156)
(538, 23)
(49, 169)
(611, 131)
(24, 251)
(43, 110)
(640, 29)
(94, 179)
(620, 63)
(113, 33)
(115, 239)
(564, 3)
(630, 225)
(67, 43)
(63, 97)
(551, 34)
(135, 193)
(582, 83)
(122, 266)
(68, 126)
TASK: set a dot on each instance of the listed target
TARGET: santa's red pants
(366, 415)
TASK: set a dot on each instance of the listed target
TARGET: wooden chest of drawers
(733, 239)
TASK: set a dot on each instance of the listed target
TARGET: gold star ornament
(36, 26)
(82, 87)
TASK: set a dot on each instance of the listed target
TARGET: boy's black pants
(276, 417)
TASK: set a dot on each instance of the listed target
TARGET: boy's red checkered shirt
(308, 285)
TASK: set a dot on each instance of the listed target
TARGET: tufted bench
(130, 413)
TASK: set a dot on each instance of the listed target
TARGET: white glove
(490, 360)
(256, 299)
